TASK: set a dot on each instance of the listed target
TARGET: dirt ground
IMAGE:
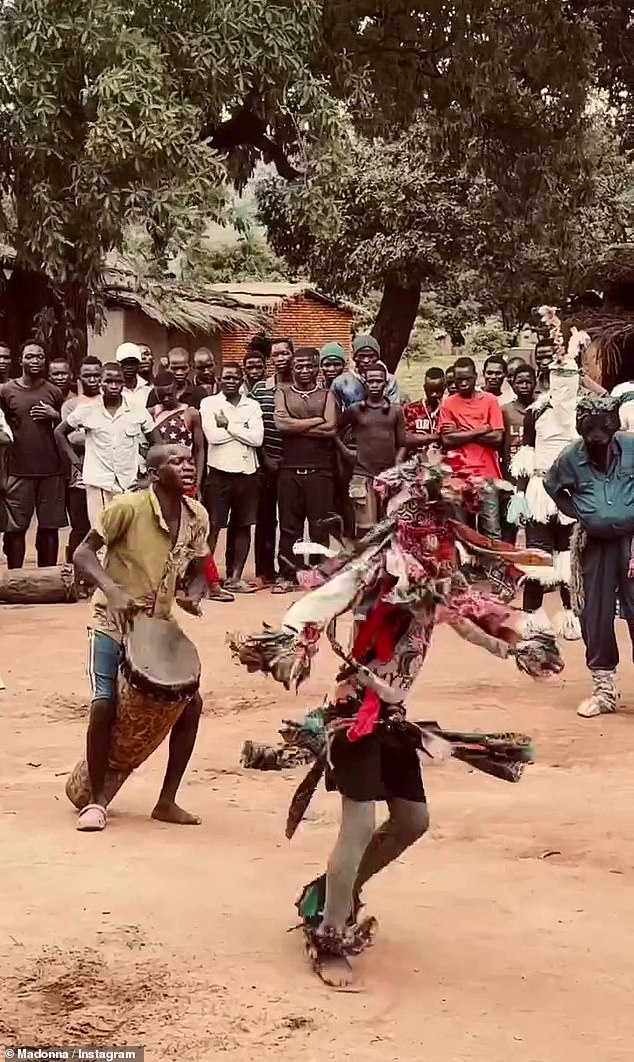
(505, 935)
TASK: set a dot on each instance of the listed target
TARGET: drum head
(161, 655)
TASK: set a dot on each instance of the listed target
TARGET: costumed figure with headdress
(549, 426)
(592, 482)
(397, 583)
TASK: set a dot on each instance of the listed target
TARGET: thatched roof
(206, 308)
(269, 294)
(187, 307)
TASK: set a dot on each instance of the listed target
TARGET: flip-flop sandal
(218, 593)
(283, 588)
(259, 584)
(238, 586)
(92, 818)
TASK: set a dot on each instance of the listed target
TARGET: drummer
(153, 537)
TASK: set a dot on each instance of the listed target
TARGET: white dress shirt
(137, 396)
(111, 458)
(4, 426)
(232, 449)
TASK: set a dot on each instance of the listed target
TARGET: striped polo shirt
(264, 394)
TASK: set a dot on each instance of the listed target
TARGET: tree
(487, 339)
(396, 218)
(119, 113)
(247, 257)
(390, 221)
(115, 113)
(538, 253)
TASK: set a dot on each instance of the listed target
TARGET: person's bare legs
(355, 833)
(182, 740)
(408, 821)
(102, 716)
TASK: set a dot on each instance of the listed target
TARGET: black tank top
(306, 451)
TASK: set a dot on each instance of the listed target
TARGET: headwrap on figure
(397, 583)
(605, 407)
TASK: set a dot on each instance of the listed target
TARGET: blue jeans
(488, 518)
(103, 665)
(489, 515)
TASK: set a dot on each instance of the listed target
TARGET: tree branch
(245, 128)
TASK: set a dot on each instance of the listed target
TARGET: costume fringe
(523, 464)
(578, 543)
(567, 626)
(541, 507)
(561, 563)
(546, 576)
(536, 623)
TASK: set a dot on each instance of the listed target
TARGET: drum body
(158, 676)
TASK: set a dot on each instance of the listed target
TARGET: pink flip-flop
(92, 818)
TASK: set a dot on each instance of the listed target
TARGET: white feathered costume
(549, 427)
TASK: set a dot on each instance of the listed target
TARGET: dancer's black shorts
(381, 766)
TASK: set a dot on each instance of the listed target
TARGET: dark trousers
(78, 518)
(265, 529)
(604, 567)
(303, 495)
(343, 504)
(266, 526)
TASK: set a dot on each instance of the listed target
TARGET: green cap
(332, 350)
(366, 343)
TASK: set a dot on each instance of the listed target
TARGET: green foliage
(490, 338)
(115, 114)
(393, 212)
(478, 162)
(383, 211)
(536, 250)
(247, 258)
(108, 112)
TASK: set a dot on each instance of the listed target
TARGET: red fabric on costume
(211, 572)
(377, 633)
(366, 718)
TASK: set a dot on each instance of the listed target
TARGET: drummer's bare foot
(170, 812)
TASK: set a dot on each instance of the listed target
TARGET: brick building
(293, 310)
(222, 317)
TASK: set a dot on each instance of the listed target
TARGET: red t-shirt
(482, 410)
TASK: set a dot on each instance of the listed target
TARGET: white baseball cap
(128, 350)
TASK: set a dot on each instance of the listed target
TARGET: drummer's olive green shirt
(140, 556)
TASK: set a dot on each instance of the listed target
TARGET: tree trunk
(395, 319)
(38, 586)
(31, 307)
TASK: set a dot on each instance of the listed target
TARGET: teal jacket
(602, 502)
